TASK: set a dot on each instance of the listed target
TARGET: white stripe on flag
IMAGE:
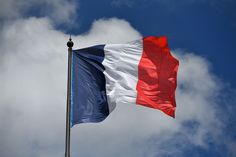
(121, 64)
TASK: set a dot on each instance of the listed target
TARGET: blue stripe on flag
(88, 90)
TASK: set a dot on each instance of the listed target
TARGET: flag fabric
(141, 72)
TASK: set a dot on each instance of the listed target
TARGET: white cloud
(33, 67)
(103, 31)
(60, 11)
(33, 82)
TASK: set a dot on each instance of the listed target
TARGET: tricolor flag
(141, 72)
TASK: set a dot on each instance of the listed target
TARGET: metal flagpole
(67, 142)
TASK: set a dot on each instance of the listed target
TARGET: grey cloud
(60, 11)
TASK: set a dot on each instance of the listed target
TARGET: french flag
(141, 72)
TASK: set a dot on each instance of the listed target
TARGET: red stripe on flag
(157, 76)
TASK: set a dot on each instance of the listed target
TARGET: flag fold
(141, 72)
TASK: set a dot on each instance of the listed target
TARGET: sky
(33, 74)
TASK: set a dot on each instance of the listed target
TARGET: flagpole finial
(70, 43)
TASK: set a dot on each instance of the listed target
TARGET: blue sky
(207, 28)
(33, 66)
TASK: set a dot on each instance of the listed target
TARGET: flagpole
(67, 142)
